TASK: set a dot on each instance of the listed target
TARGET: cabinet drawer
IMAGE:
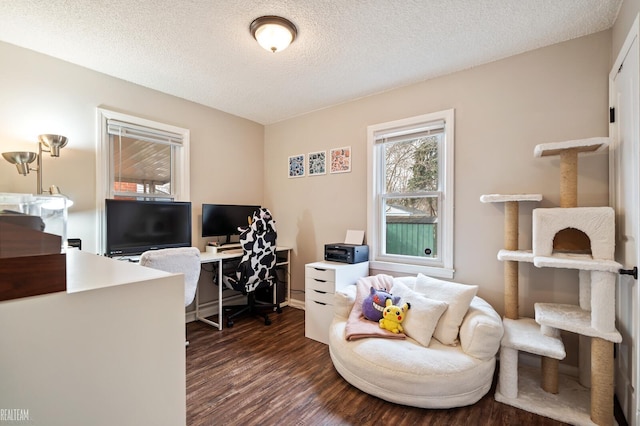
(315, 284)
(314, 295)
(317, 319)
(320, 274)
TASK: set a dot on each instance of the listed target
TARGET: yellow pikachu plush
(392, 317)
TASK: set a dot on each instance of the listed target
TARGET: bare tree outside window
(411, 201)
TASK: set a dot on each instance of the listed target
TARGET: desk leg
(220, 284)
(203, 319)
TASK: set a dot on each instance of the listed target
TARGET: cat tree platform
(569, 405)
(576, 261)
(571, 318)
(516, 255)
(577, 145)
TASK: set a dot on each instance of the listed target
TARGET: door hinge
(633, 272)
(612, 115)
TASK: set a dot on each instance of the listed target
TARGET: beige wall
(502, 110)
(41, 94)
(628, 13)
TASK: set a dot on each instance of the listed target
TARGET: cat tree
(569, 237)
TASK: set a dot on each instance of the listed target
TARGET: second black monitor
(224, 219)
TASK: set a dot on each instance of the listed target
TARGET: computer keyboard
(231, 251)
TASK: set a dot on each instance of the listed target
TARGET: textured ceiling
(201, 50)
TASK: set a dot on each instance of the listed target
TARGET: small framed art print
(341, 160)
(317, 163)
(296, 166)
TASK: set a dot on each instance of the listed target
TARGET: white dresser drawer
(314, 284)
(317, 319)
(320, 274)
(319, 296)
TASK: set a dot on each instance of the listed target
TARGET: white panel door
(625, 157)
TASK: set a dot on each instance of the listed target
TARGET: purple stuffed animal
(374, 304)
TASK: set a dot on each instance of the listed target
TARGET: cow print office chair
(257, 268)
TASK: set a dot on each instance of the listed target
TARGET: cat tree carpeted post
(602, 382)
(511, 304)
(569, 178)
(549, 367)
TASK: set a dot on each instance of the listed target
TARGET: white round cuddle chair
(447, 358)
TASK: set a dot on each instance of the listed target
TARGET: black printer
(346, 253)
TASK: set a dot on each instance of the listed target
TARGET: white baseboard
(295, 303)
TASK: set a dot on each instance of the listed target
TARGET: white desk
(220, 257)
(108, 351)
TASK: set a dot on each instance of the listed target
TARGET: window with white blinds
(146, 159)
(143, 161)
(410, 223)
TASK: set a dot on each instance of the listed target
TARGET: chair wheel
(267, 321)
(279, 310)
(229, 323)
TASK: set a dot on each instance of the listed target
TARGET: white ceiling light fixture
(273, 33)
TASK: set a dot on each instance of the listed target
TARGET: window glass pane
(411, 226)
(412, 165)
(141, 167)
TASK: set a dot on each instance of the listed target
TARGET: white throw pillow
(422, 317)
(458, 296)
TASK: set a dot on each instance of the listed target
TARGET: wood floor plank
(252, 374)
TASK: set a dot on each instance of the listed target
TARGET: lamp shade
(273, 33)
(54, 143)
(21, 159)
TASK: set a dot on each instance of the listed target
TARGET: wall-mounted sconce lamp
(46, 143)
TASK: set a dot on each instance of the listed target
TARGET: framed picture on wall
(317, 163)
(341, 160)
(296, 166)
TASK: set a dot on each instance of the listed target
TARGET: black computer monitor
(134, 227)
(223, 220)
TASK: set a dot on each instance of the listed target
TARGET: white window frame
(180, 166)
(375, 186)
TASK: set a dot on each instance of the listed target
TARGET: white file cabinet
(322, 279)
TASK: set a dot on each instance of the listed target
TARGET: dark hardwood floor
(252, 374)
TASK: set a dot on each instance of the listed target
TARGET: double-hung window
(410, 194)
